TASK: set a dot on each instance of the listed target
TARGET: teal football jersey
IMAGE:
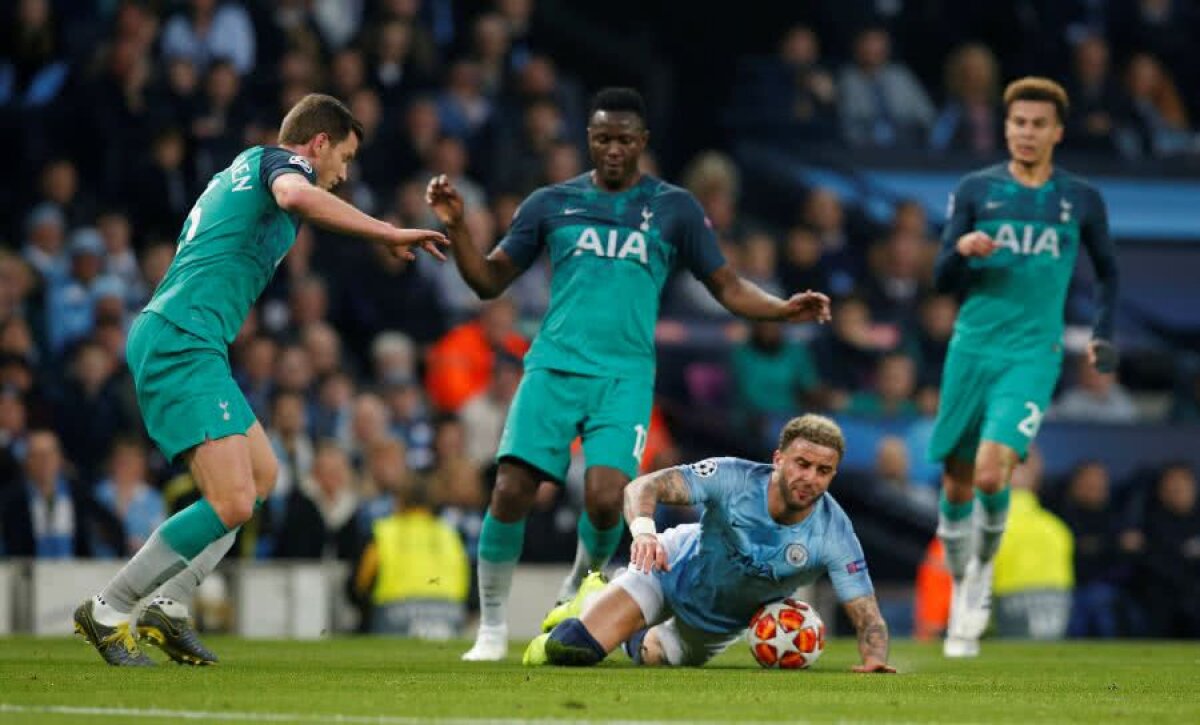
(230, 244)
(1015, 299)
(610, 255)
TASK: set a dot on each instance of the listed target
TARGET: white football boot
(970, 611)
(491, 645)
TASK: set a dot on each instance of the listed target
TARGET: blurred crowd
(384, 384)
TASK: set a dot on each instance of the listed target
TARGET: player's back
(739, 557)
(611, 253)
(229, 246)
(1015, 299)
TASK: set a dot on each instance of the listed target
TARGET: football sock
(154, 563)
(571, 643)
(166, 553)
(192, 529)
(995, 518)
(633, 645)
(595, 548)
(500, 547)
(181, 587)
(954, 529)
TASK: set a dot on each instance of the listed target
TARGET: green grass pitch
(394, 682)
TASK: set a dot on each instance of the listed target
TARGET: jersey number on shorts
(639, 443)
(1029, 426)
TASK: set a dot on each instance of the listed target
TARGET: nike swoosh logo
(573, 211)
(993, 204)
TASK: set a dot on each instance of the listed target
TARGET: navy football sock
(571, 644)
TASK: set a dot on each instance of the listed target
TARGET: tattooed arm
(872, 634)
(642, 495)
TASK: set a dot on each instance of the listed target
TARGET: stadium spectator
(971, 119)
(411, 423)
(460, 364)
(483, 415)
(293, 446)
(1171, 564)
(89, 412)
(120, 259)
(848, 350)
(881, 102)
(49, 515)
(455, 480)
(1095, 397)
(892, 470)
(841, 255)
(254, 371)
(772, 377)
(891, 395)
(462, 106)
(414, 571)
(394, 70)
(35, 69)
(163, 186)
(1093, 517)
(1034, 573)
(318, 519)
(1156, 123)
(45, 230)
(13, 440)
(803, 266)
(899, 278)
(1097, 103)
(127, 495)
(211, 30)
(931, 340)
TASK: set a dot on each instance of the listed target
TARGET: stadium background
(120, 111)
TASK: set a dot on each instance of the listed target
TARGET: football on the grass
(787, 634)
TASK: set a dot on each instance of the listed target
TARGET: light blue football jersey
(737, 557)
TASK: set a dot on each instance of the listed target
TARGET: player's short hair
(815, 429)
(619, 100)
(318, 113)
(1036, 88)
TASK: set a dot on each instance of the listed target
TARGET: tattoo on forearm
(665, 486)
(872, 630)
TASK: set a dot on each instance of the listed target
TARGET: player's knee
(990, 479)
(265, 476)
(571, 644)
(513, 495)
(234, 510)
(603, 503)
(651, 651)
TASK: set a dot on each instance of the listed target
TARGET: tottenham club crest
(796, 555)
(704, 468)
(302, 163)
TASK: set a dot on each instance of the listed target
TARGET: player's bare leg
(599, 534)
(971, 548)
(223, 474)
(166, 621)
(500, 544)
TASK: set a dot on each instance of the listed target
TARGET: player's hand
(975, 244)
(404, 241)
(807, 306)
(647, 554)
(1102, 355)
(444, 200)
(874, 665)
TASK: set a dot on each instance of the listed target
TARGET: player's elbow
(485, 290)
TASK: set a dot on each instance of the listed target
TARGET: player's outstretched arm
(872, 634)
(1101, 352)
(746, 299)
(293, 193)
(642, 496)
(487, 276)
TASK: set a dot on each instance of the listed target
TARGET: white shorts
(683, 644)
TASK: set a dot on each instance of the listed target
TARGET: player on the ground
(766, 530)
(614, 236)
(1009, 247)
(239, 230)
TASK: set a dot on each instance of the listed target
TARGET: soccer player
(1009, 249)
(239, 230)
(614, 236)
(766, 530)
